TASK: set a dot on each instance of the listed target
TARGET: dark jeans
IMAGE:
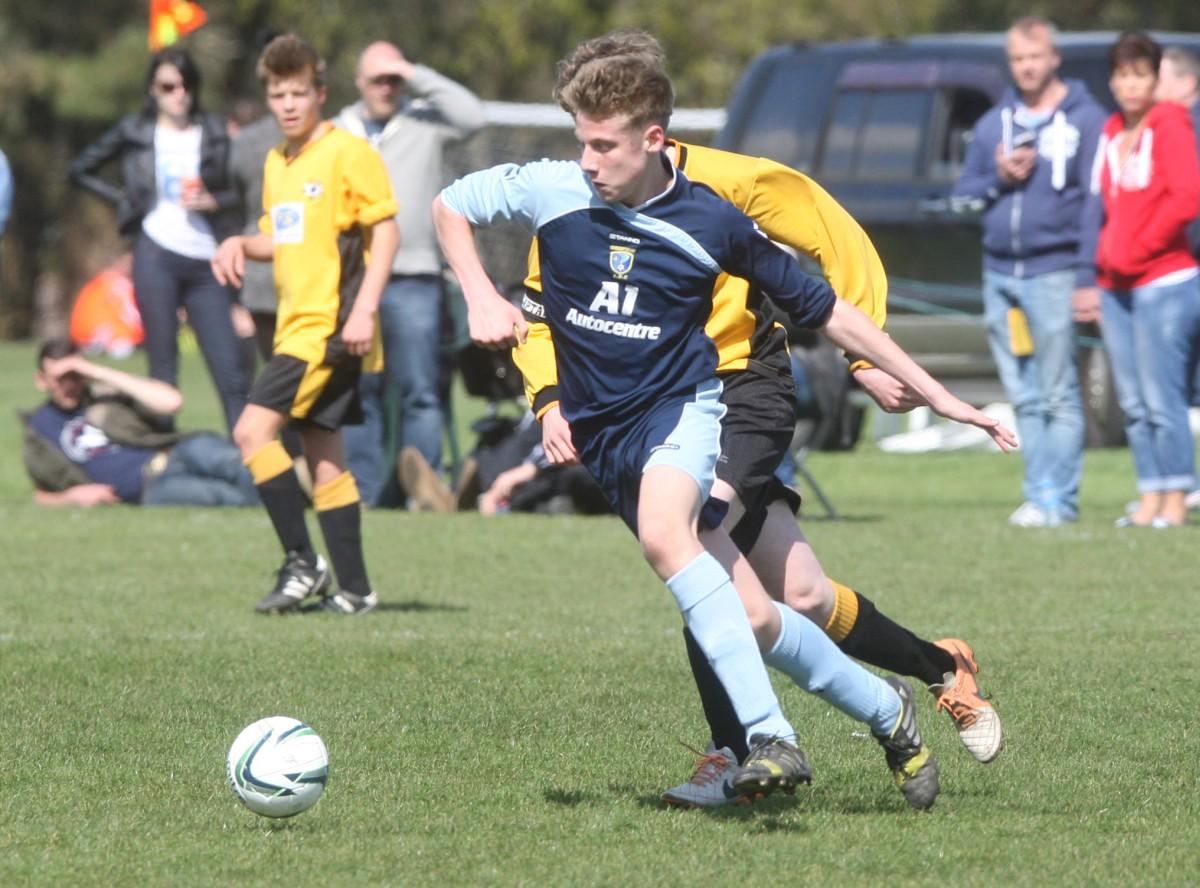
(163, 283)
(202, 470)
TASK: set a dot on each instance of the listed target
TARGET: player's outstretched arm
(494, 322)
(853, 331)
(229, 262)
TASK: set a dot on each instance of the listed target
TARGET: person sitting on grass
(105, 436)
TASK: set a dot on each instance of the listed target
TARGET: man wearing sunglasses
(410, 113)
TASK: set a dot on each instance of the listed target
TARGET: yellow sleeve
(366, 190)
(794, 210)
(535, 356)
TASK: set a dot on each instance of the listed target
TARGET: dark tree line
(68, 69)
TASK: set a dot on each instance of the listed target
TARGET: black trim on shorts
(337, 404)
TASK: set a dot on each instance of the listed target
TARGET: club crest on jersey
(620, 260)
(313, 189)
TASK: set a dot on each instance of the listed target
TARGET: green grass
(511, 714)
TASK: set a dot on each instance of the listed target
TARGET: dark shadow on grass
(411, 607)
(763, 813)
(415, 606)
(567, 798)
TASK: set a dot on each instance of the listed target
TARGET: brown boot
(427, 492)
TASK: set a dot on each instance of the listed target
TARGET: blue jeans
(410, 323)
(1043, 386)
(164, 282)
(1149, 333)
(202, 470)
(366, 443)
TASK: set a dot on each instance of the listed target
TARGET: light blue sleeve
(530, 194)
(6, 193)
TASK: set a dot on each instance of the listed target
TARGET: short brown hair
(287, 56)
(55, 350)
(620, 73)
(1132, 47)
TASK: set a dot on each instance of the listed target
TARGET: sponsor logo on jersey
(624, 329)
(287, 223)
(620, 261)
(313, 189)
(535, 309)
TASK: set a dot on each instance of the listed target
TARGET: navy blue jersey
(626, 291)
(103, 460)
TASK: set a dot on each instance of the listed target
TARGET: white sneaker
(1032, 515)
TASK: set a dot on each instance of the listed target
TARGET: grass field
(511, 713)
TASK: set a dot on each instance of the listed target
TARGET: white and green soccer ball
(278, 767)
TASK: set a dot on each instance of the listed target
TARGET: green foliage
(71, 68)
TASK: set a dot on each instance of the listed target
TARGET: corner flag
(171, 19)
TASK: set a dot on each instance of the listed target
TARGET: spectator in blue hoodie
(1028, 168)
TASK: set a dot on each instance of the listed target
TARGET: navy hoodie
(1034, 227)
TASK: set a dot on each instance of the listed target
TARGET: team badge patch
(287, 223)
(620, 260)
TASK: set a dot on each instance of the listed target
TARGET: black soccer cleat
(296, 580)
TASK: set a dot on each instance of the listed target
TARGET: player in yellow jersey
(759, 394)
(326, 199)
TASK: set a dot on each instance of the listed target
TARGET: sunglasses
(163, 88)
(386, 80)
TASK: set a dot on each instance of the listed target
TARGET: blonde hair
(620, 73)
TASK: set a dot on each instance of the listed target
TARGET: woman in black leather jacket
(177, 202)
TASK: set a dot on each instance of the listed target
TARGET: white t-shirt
(176, 169)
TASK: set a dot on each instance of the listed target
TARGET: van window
(965, 107)
(876, 135)
(786, 116)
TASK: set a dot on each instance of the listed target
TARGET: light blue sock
(714, 614)
(810, 658)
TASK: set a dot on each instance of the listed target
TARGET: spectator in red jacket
(1148, 176)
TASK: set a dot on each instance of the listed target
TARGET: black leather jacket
(131, 140)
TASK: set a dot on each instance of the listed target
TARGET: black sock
(342, 528)
(285, 504)
(722, 718)
(875, 639)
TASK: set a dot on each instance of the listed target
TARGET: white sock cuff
(697, 580)
(791, 632)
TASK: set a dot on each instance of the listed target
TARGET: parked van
(883, 125)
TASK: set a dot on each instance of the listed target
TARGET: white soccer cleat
(975, 718)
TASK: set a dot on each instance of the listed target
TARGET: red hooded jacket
(1148, 201)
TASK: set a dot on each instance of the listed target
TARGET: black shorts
(756, 433)
(322, 395)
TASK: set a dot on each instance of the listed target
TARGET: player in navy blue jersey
(630, 251)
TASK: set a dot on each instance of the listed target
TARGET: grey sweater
(246, 159)
(438, 112)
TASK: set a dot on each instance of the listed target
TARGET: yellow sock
(341, 491)
(269, 461)
(845, 612)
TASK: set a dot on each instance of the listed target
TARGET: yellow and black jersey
(792, 210)
(318, 207)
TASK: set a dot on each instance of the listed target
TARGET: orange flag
(171, 19)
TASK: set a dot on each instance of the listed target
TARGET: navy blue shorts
(683, 432)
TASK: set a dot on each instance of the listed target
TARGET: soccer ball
(278, 767)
